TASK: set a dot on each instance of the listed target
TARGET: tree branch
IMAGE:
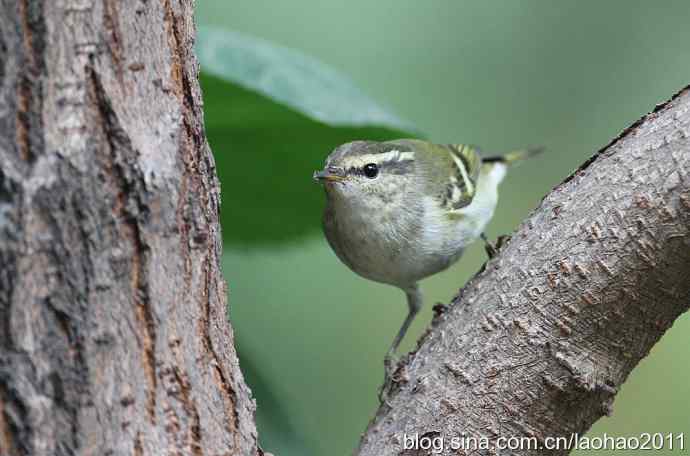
(538, 343)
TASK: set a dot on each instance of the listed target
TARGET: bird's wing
(452, 171)
(462, 184)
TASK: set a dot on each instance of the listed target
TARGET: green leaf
(265, 155)
(292, 78)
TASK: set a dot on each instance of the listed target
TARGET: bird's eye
(371, 170)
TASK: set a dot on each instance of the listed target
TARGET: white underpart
(452, 236)
(444, 238)
(481, 209)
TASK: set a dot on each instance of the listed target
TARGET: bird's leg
(414, 304)
(489, 247)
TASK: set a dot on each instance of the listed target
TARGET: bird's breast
(398, 245)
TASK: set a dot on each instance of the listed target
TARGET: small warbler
(399, 211)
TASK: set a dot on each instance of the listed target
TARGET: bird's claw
(491, 248)
(502, 240)
(390, 365)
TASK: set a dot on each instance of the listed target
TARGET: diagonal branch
(538, 343)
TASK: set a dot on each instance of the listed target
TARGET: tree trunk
(537, 345)
(114, 338)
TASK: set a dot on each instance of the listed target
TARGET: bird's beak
(329, 175)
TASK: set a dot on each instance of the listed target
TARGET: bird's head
(368, 172)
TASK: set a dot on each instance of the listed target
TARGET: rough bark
(538, 343)
(114, 338)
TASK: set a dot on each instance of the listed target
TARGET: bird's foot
(491, 248)
(502, 240)
(390, 364)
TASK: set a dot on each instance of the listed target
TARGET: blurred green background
(568, 75)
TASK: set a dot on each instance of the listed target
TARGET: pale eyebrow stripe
(391, 155)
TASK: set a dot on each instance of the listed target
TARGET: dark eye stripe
(390, 167)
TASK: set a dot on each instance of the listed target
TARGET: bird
(402, 210)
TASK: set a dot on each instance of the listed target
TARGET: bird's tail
(515, 156)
